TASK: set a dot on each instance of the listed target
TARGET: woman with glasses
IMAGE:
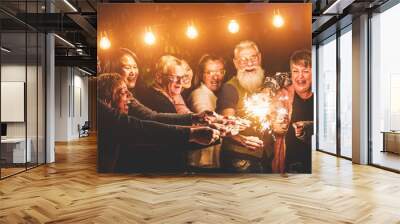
(165, 95)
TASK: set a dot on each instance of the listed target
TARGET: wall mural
(204, 88)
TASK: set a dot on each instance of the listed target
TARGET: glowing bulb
(105, 43)
(278, 21)
(233, 26)
(191, 32)
(149, 38)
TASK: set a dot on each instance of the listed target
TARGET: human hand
(280, 126)
(298, 128)
(236, 123)
(250, 142)
(280, 122)
(205, 117)
(223, 129)
(302, 129)
(203, 135)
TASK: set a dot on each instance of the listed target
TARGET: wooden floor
(70, 191)
(387, 159)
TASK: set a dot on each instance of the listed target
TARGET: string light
(233, 26)
(277, 20)
(149, 37)
(105, 42)
(191, 32)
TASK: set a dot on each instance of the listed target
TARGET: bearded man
(235, 157)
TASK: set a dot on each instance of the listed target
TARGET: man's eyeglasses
(218, 72)
(245, 60)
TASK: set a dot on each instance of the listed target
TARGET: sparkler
(262, 108)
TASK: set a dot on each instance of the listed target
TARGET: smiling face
(247, 59)
(213, 75)
(129, 70)
(174, 84)
(248, 65)
(121, 97)
(187, 82)
(302, 78)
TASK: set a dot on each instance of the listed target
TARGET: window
(385, 88)
(22, 67)
(327, 96)
(346, 93)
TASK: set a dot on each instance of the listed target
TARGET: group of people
(166, 127)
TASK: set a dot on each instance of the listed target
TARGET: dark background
(125, 26)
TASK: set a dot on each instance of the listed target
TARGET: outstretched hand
(250, 142)
(227, 125)
(205, 118)
(203, 135)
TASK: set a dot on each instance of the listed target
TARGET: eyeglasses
(176, 79)
(217, 72)
(245, 60)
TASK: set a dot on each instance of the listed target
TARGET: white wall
(12, 73)
(16, 73)
(61, 103)
(71, 102)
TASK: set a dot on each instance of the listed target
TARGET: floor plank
(71, 191)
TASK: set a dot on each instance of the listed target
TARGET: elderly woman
(165, 94)
(117, 130)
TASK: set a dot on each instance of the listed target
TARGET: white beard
(251, 81)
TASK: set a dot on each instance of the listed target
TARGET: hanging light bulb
(233, 26)
(277, 20)
(105, 42)
(191, 32)
(149, 37)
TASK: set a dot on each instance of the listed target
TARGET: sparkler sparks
(281, 113)
(261, 107)
(258, 106)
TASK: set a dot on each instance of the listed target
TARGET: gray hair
(245, 44)
(165, 63)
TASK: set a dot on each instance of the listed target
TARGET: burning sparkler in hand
(258, 108)
(268, 112)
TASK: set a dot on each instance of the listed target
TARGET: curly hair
(106, 84)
